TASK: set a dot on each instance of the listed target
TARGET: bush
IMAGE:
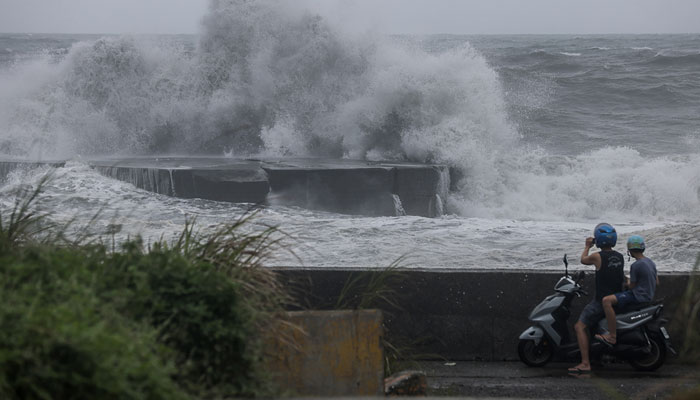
(197, 311)
(171, 321)
(689, 313)
(59, 341)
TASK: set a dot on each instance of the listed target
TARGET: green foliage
(172, 321)
(371, 289)
(377, 289)
(690, 314)
(60, 341)
(24, 223)
(197, 311)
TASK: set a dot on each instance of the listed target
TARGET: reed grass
(372, 289)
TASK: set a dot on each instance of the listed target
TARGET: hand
(590, 241)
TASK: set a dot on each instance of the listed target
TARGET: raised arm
(590, 259)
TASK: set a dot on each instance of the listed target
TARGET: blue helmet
(605, 235)
(636, 243)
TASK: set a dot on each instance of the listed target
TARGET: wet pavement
(515, 380)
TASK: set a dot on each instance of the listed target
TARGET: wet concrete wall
(211, 179)
(465, 315)
(332, 188)
(332, 353)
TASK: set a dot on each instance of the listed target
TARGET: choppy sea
(552, 134)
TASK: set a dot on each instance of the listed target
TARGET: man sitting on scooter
(609, 278)
(642, 285)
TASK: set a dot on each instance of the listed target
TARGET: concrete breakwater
(466, 315)
(342, 186)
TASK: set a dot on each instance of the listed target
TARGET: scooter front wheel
(535, 354)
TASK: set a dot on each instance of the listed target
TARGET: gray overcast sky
(389, 16)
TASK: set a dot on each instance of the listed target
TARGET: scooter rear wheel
(535, 355)
(655, 359)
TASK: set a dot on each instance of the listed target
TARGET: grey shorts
(592, 313)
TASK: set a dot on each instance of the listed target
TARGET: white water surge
(324, 240)
(267, 79)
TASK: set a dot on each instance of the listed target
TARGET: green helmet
(636, 243)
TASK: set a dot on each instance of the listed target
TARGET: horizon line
(385, 33)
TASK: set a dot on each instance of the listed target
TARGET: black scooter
(642, 340)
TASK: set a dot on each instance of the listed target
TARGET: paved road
(515, 380)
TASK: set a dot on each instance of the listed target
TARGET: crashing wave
(268, 79)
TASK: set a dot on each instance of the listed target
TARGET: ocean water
(552, 134)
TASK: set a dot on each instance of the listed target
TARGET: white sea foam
(570, 54)
(318, 239)
(268, 78)
(614, 183)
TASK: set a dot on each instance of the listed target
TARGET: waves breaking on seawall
(268, 79)
(263, 79)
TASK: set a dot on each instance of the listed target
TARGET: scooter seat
(632, 308)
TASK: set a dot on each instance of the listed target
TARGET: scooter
(642, 339)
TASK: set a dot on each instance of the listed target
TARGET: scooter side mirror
(566, 261)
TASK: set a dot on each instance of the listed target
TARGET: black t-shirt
(610, 278)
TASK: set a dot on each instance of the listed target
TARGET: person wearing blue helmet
(642, 287)
(609, 278)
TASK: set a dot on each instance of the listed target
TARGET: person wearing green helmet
(642, 287)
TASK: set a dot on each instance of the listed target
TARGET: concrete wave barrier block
(8, 166)
(347, 189)
(352, 187)
(422, 189)
(359, 187)
(235, 181)
(328, 353)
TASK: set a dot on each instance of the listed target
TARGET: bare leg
(582, 338)
(608, 303)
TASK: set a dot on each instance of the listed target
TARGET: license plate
(663, 331)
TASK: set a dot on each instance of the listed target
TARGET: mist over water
(551, 130)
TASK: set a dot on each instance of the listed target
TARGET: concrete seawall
(341, 186)
(466, 315)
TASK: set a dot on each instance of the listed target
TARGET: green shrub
(59, 341)
(197, 311)
(688, 314)
(170, 321)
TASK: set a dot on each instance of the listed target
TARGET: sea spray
(268, 78)
(398, 206)
(260, 68)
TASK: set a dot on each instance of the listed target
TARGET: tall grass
(172, 320)
(379, 289)
(690, 313)
(24, 222)
(372, 289)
